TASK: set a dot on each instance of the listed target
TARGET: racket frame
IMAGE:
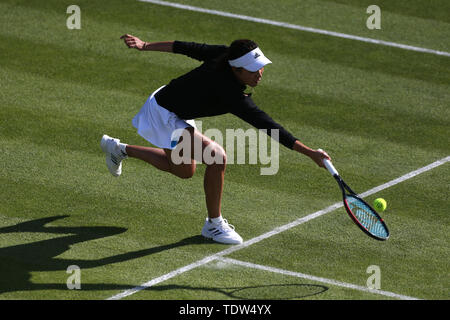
(346, 190)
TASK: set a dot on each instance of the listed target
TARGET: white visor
(251, 61)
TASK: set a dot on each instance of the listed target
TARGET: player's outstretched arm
(316, 155)
(135, 42)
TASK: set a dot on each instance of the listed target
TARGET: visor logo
(257, 55)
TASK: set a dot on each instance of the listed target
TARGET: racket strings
(366, 217)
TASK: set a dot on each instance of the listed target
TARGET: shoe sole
(222, 242)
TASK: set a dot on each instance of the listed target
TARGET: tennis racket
(362, 214)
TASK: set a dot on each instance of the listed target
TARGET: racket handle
(329, 166)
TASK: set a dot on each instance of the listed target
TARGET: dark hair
(240, 47)
(237, 49)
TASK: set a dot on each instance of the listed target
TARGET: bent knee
(185, 172)
(216, 156)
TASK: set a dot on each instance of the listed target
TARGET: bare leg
(214, 173)
(213, 185)
(154, 156)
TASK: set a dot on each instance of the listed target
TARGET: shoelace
(226, 226)
(117, 153)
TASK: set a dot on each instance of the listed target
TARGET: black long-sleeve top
(212, 89)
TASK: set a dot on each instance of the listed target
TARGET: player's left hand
(132, 41)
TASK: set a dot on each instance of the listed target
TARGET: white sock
(216, 220)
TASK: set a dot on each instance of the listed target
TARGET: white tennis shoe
(114, 154)
(221, 232)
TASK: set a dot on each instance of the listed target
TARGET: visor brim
(257, 64)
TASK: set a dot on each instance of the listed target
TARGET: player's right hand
(318, 156)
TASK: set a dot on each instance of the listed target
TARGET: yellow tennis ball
(380, 204)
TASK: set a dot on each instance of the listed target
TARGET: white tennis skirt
(158, 125)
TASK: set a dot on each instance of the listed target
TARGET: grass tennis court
(380, 112)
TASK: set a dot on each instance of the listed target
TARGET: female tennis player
(215, 87)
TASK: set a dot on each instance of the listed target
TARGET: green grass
(380, 112)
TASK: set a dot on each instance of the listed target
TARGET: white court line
(405, 177)
(317, 279)
(297, 27)
(270, 233)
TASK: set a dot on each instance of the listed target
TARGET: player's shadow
(289, 291)
(17, 262)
